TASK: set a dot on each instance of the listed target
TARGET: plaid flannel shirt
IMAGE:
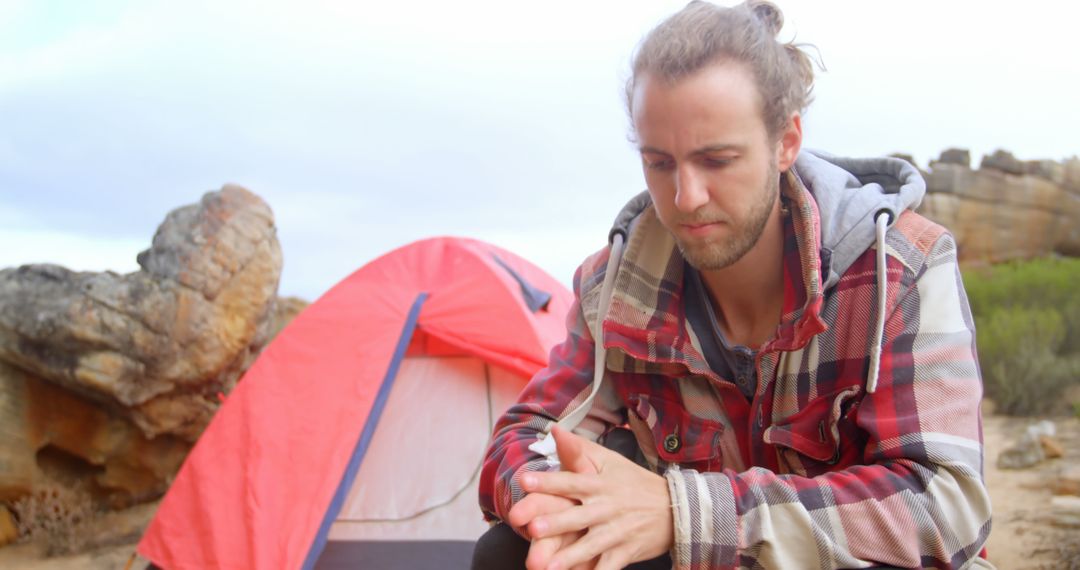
(814, 471)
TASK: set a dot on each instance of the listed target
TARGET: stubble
(718, 254)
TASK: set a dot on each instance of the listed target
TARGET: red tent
(363, 424)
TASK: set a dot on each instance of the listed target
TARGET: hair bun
(768, 14)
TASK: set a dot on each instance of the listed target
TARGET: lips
(701, 228)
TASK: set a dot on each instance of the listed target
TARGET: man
(790, 346)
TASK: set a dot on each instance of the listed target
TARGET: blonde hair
(702, 34)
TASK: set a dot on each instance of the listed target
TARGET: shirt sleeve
(917, 501)
(554, 392)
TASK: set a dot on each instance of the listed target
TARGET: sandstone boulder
(285, 310)
(997, 217)
(961, 156)
(1046, 169)
(107, 379)
(1071, 173)
(1004, 161)
(8, 531)
(161, 343)
(69, 438)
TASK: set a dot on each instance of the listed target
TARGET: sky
(368, 125)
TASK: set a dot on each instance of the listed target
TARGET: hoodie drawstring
(545, 445)
(881, 220)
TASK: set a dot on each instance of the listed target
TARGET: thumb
(572, 451)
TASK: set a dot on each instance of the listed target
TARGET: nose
(691, 191)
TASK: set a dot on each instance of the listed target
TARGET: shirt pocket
(821, 437)
(678, 437)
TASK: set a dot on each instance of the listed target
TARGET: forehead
(718, 104)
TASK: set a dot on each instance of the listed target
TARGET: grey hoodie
(849, 193)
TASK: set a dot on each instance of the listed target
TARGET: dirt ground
(1023, 538)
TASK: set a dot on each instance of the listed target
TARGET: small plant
(60, 516)
(1020, 355)
(1027, 320)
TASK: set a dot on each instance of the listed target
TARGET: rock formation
(111, 377)
(8, 532)
(961, 156)
(1007, 209)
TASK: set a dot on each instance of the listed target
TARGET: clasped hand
(601, 511)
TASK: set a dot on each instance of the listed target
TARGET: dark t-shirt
(734, 364)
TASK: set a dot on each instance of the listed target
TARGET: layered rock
(1007, 209)
(161, 342)
(8, 531)
(108, 379)
(55, 432)
(961, 156)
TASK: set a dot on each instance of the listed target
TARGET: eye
(657, 163)
(717, 162)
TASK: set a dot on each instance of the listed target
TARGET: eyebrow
(700, 151)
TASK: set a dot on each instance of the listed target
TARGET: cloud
(366, 126)
(11, 11)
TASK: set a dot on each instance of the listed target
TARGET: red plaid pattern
(814, 471)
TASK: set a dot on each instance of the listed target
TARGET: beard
(713, 254)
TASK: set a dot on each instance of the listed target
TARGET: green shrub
(1039, 283)
(1027, 318)
(1022, 368)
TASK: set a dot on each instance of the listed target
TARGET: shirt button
(672, 443)
(741, 380)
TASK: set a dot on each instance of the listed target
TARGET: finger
(543, 549)
(524, 511)
(591, 545)
(562, 483)
(590, 565)
(535, 505)
(575, 519)
(572, 451)
(615, 559)
(540, 552)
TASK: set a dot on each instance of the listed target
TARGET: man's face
(710, 165)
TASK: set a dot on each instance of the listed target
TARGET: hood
(849, 193)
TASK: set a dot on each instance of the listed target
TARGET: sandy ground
(1022, 536)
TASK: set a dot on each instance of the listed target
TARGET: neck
(749, 294)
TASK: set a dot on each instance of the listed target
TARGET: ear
(787, 148)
